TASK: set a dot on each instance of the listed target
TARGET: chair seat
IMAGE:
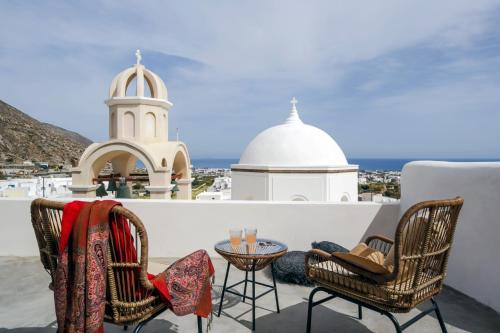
(394, 297)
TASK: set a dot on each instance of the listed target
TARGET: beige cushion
(364, 257)
(363, 250)
(360, 262)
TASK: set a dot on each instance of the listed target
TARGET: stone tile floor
(26, 306)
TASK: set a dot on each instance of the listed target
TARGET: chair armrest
(380, 243)
(143, 276)
(318, 253)
(315, 256)
(147, 284)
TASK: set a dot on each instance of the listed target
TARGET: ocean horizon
(367, 164)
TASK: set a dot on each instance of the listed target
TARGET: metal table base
(271, 288)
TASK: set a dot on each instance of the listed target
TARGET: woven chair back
(129, 292)
(422, 246)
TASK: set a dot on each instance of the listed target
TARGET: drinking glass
(251, 235)
(251, 239)
(235, 237)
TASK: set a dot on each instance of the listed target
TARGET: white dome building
(294, 161)
(138, 130)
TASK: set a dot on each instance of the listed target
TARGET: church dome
(120, 83)
(293, 144)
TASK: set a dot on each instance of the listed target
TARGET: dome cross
(293, 117)
(294, 102)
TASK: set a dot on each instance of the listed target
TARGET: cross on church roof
(293, 117)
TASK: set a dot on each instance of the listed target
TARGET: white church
(294, 161)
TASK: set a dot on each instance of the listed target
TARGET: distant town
(42, 179)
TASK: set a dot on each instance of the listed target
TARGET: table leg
(223, 289)
(245, 288)
(275, 290)
(253, 296)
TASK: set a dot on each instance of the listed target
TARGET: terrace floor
(26, 305)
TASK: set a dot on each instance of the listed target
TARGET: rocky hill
(24, 138)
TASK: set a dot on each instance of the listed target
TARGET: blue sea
(372, 164)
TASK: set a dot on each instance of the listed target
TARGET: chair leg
(139, 327)
(309, 308)
(200, 329)
(125, 327)
(394, 321)
(253, 296)
(439, 316)
(399, 328)
(223, 289)
(275, 289)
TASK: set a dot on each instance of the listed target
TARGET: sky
(386, 79)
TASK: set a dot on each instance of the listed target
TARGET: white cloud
(60, 56)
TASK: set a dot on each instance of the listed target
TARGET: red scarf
(184, 286)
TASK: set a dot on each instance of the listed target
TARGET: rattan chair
(128, 301)
(421, 248)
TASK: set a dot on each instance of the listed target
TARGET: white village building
(294, 161)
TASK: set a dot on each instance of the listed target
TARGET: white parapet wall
(176, 228)
(474, 265)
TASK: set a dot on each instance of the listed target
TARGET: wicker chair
(420, 253)
(128, 302)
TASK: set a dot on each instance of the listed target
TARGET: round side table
(250, 259)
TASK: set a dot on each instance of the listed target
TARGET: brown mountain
(24, 138)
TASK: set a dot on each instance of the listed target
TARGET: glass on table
(251, 235)
(251, 239)
(235, 237)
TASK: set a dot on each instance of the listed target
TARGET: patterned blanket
(80, 285)
(185, 285)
